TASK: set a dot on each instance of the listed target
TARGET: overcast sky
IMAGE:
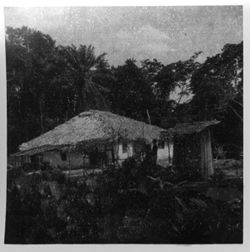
(165, 33)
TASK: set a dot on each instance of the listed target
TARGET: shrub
(119, 205)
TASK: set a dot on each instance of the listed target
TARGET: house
(92, 139)
(192, 146)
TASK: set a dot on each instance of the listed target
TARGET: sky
(166, 33)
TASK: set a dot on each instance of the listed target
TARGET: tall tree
(171, 85)
(132, 96)
(29, 60)
(81, 64)
(218, 84)
(218, 94)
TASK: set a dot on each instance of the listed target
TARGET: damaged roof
(92, 126)
(189, 128)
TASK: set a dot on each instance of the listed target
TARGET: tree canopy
(47, 84)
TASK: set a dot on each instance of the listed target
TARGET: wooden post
(149, 119)
(69, 163)
(206, 154)
(169, 158)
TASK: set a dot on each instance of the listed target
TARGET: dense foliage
(48, 84)
(137, 203)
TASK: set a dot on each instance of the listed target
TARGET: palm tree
(81, 64)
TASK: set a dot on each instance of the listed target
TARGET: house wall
(165, 155)
(124, 155)
(206, 154)
(20, 160)
(74, 159)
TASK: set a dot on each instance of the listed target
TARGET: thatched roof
(35, 151)
(93, 126)
(189, 128)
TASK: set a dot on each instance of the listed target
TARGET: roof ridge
(93, 124)
(102, 112)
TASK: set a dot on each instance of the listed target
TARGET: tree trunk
(41, 115)
(80, 98)
(82, 104)
(206, 155)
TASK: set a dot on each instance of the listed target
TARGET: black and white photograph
(124, 124)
